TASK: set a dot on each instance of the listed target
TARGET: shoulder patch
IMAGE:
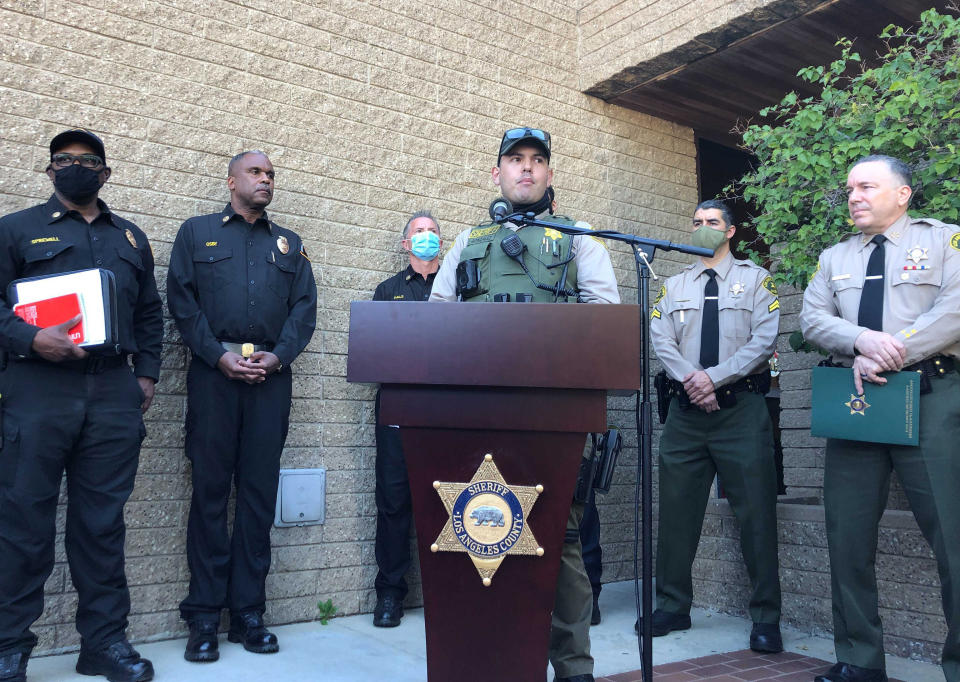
(303, 252)
(955, 241)
(660, 294)
(769, 285)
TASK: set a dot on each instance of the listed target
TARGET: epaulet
(745, 262)
(847, 237)
(929, 222)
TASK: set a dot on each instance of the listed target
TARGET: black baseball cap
(515, 136)
(78, 135)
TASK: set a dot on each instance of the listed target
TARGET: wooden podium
(524, 383)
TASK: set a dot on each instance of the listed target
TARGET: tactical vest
(500, 274)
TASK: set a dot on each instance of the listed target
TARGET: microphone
(513, 246)
(500, 209)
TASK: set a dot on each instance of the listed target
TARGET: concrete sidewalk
(352, 650)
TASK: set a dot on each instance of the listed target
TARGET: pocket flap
(45, 251)
(474, 251)
(132, 256)
(211, 255)
(284, 263)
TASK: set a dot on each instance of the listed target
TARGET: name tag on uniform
(839, 277)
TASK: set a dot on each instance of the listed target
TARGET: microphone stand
(643, 412)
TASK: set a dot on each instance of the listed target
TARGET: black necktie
(710, 325)
(871, 300)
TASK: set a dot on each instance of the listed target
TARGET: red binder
(53, 311)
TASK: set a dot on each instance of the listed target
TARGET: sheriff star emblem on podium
(488, 519)
(857, 404)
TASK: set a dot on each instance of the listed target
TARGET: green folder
(883, 414)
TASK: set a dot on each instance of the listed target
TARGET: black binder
(97, 290)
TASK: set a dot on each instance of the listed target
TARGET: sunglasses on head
(517, 133)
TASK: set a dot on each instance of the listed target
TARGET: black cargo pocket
(9, 452)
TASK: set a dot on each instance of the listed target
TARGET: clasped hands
(252, 370)
(701, 391)
(877, 352)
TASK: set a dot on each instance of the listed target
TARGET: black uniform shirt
(233, 281)
(49, 239)
(406, 285)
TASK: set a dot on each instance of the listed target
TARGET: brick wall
(369, 111)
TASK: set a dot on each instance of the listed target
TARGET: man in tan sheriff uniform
(714, 328)
(883, 300)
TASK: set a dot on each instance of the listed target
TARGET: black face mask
(77, 184)
(536, 207)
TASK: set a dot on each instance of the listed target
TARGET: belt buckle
(246, 350)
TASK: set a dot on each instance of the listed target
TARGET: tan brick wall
(617, 34)
(369, 112)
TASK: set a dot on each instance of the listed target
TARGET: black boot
(844, 672)
(13, 667)
(765, 638)
(249, 629)
(202, 645)
(118, 662)
(388, 612)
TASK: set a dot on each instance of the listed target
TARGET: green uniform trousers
(855, 487)
(570, 627)
(737, 443)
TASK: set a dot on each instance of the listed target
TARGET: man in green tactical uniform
(885, 300)
(581, 272)
(714, 328)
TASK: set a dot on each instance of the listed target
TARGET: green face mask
(708, 238)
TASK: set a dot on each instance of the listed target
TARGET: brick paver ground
(736, 666)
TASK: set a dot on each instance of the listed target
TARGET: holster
(588, 470)
(609, 448)
(663, 395)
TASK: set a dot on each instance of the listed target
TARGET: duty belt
(754, 383)
(932, 368)
(92, 364)
(251, 348)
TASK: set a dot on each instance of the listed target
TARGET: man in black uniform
(66, 409)
(421, 239)
(241, 290)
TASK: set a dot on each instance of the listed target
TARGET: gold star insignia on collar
(488, 519)
(56, 214)
(917, 254)
(226, 218)
(737, 288)
(857, 404)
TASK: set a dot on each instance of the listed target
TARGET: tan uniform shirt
(749, 319)
(921, 295)
(595, 278)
